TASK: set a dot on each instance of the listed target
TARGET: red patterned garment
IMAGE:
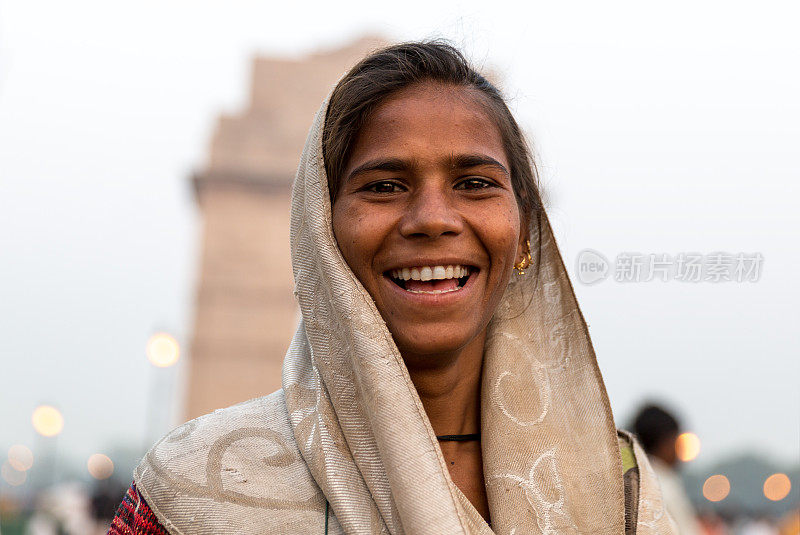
(134, 517)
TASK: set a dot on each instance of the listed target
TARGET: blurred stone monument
(244, 310)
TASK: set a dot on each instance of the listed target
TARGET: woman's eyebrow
(398, 165)
(394, 165)
(466, 161)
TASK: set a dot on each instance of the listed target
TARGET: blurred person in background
(658, 431)
(712, 524)
(762, 525)
(63, 509)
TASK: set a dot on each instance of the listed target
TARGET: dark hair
(654, 425)
(390, 69)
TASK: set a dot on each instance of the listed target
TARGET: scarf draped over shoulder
(346, 447)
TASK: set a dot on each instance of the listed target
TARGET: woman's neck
(449, 387)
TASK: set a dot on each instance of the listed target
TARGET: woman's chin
(434, 345)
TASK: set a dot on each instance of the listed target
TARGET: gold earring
(523, 264)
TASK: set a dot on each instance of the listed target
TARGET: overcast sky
(662, 129)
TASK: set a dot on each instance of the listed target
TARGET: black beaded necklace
(459, 438)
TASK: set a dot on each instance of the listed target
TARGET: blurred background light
(12, 476)
(47, 420)
(163, 350)
(777, 487)
(687, 446)
(716, 488)
(100, 466)
(20, 457)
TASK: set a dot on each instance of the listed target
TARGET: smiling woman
(428, 221)
(428, 388)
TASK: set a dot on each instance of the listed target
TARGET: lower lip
(436, 299)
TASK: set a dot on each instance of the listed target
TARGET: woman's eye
(384, 187)
(474, 183)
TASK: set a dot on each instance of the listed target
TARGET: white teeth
(426, 273)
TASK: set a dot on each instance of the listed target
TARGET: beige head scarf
(346, 445)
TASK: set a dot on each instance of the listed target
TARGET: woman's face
(427, 219)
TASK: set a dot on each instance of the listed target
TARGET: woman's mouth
(431, 279)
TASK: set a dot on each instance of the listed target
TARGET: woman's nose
(431, 214)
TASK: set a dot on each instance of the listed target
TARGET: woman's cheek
(506, 237)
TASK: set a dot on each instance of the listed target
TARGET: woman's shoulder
(217, 434)
(226, 466)
(260, 416)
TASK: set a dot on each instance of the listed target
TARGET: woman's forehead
(429, 119)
